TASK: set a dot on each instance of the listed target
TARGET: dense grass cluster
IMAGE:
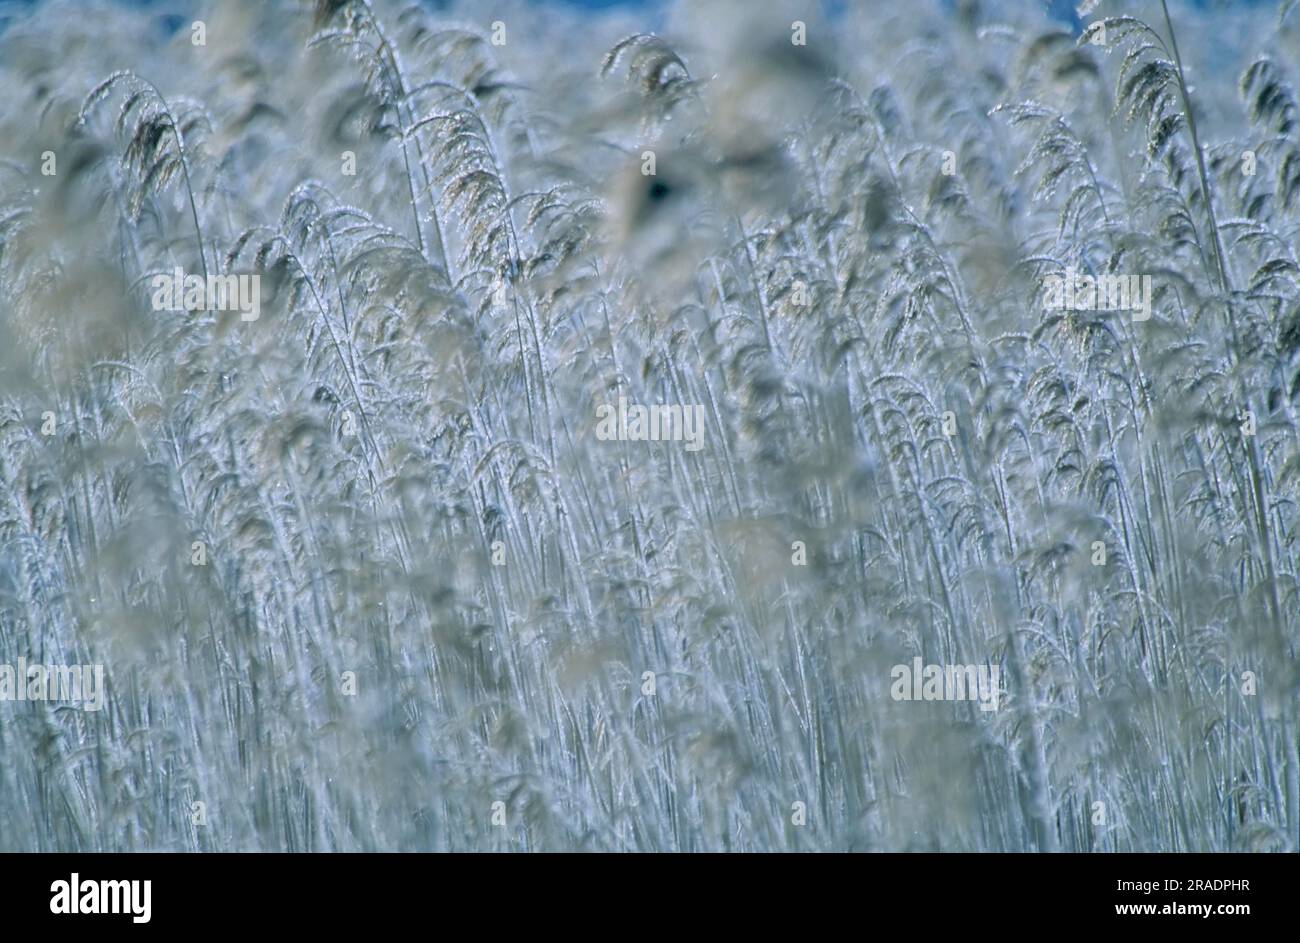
(361, 573)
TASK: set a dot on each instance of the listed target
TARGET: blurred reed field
(362, 574)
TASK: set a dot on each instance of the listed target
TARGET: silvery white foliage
(364, 576)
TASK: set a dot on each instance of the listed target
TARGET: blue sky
(1062, 10)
